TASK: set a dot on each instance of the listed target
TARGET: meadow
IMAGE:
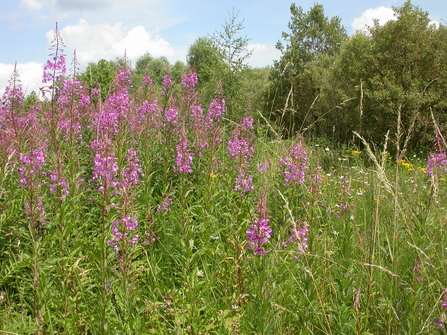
(153, 213)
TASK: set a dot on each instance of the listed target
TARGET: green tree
(233, 48)
(147, 65)
(30, 100)
(206, 60)
(395, 72)
(100, 76)
(293, 91)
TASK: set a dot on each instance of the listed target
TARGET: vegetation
(134, 201)
(329, 85)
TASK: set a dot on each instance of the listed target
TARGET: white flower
(200, 273)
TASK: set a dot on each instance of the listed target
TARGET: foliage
(100, 76)
(233, 49)
(205, 58)
(387, 79)
(312, 37)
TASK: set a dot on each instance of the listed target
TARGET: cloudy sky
(103, 29)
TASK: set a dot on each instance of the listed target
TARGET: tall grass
(154, 214)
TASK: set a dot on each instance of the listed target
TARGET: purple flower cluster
(190, 81)
(147, 80)
(190, 95)
(216, 110)
(13, 96)
(259, 231)
(183, 158)
(437, 164)
(444, 301)
(149, 115)
(298, 237)
(105, 166)
(37, 211)
(121, 229)
(132, 172)
(440, 323)
(30, 168)
(171, 116)
(30, 171)
(295, 164)
(55, 69)
(167, 85)
(241, 147)
(241, 150)
(165, 206)
(244, 184)
(57, 181)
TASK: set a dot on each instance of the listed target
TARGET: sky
(106, 29)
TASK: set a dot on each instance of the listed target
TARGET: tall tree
(205, 58)
(100, 76)
(233, 48)
(395, 74)
(312, 36)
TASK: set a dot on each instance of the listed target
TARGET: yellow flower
(355, 152)
(214, 176)
(424, 170)
(405, 164)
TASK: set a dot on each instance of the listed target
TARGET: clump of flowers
(121, 229)
(437, 161)
(167, 85)
(259, 231)
(131, 173)
(295, 164)
(437, 164)
(184, 156)
(241, 150)
(165, 206)
(189, 84)
(57, 181)
(105, 168)
(440, 323)
(55, 69)
(30, 171)
(298, 238)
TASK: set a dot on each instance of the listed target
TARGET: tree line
(386, 79)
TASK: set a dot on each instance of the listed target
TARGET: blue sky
(105, 28)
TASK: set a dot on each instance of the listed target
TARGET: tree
(100, 76)
(395, 75)
(207, 61)
(312, 37)
(231, 45)
(233, 49)
(205, 57)
(147, 65)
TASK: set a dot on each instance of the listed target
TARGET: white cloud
(31, 5)
(258, 47)
(435, 24)
(262, 55)
(83, 5)
(383, 14)
(30, 76)
(106, 41)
